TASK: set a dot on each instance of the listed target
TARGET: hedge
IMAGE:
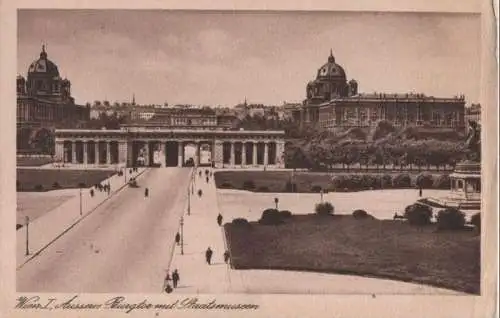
(418, 214)
(360, 214)
(271, 217)
(324, 208)
(450, 219)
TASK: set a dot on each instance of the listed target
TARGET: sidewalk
(45, 229)
(200, 232)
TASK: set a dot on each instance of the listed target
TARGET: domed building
(332, 102)
(44, 103)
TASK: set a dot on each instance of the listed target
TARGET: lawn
(35, 205)
(32, 179)
(275, 181)
(370, 247)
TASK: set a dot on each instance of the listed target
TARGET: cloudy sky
(219, 58)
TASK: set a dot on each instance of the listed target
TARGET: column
(280, 154)
(96, 145)
(254, 159)
(464, 184)
(266, 154)
(231, 157)
(217, 154)
(130, 153)
(180, 154)
(73, 151)
(108, 152)
(85, 155)
(243, 154)
(163, 156)
(146, 154)
(59, 151)
(123, 152)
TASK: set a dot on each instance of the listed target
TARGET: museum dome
(331, 69)
(43, 66)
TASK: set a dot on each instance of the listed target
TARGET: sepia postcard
(252, 160)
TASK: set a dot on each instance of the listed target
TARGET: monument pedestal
(465, 191)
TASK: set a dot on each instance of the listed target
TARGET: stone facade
(332, 102)
(44, 102)
(124, 147)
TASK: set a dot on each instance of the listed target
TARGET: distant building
(332, 102)
(44, 103)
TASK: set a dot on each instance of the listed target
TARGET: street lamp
(182, 235)
(81, 201)
(276, 201)
(27, 221)
(189, 202)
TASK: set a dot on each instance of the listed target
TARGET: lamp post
(276, 201)
(321, 194)
(81, 202)
(182, 235)
(27, 221)
(189, 202)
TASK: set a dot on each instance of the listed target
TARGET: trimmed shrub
(476, 221)
(38, 187)
(338, 182)
(226, 185)
(442, 182)
(200, 192)
(290, 187)
(370, 182)
(324, 208)
(316, 188)
(82, 185)
(385, 180)
(360, 214)
(450, 219)
(424, 181)
(56, 185)
(418, 214)
(248, 185)
(263, 189)
(285, 214)
(241, 222)
(270, 217)
(402, 181)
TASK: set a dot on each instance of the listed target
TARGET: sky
(221, 58)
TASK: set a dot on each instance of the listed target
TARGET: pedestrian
(92, 193)
(166, 284)
(146, 192)
(226, 257)
(130, 171)
(175, 278)
(208, 255)
(207, 179)
(177, 238)
(219, 219)
(420, 191)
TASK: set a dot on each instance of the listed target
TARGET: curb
(75, 223)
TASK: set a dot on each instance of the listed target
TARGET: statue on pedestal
(473, 141)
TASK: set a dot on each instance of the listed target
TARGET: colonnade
(223, 153)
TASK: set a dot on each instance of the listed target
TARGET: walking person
(166, 285)
(420, 191)
(175, 278)
(208, 255)
(146, 192)
(177, 239)
(226, 257)
(219, 219)
(92, 193)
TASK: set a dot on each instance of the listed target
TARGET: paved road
(124, 246)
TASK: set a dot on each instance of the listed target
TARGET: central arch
(172, 154)
(205, 153)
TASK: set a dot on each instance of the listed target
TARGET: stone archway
(190, 153)
(172, 153)
(68, 151)
(205, 151)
